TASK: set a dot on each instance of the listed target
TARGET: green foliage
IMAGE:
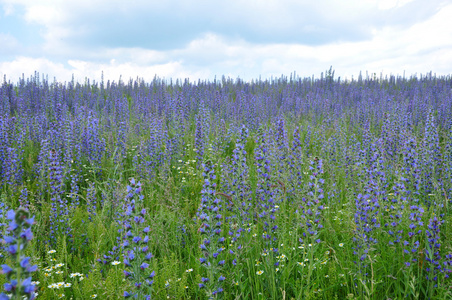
(172, 198)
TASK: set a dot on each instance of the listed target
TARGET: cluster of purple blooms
(136, 244)
(199, 140)
(312, 206)
(295, 157)
(266, 192)
(211, 229)
(19, 276)
(432, 155)
(392, 135)
(59, 218)
(236, 180)
(436, 264)
(237, 185)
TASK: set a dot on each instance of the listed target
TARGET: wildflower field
(289, 188)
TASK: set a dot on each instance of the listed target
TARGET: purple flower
(28, 287)
(13, 225)
(10, 286)
(31, 268)
(27, 234)
(6, 269)
(11, 215)
(127, 294)
(30, 221)
(9, 239)
(24, 262)
(12, 249)
(131, 255)
(4, 297)
(127, 273)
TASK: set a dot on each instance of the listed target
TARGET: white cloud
(107, 23)
(92, 70)
(27, 66)
(8, 9)
(420, 48)
(8, 44)
(44, 14)
(388, 4)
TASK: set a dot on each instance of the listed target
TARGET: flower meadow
(286, 188)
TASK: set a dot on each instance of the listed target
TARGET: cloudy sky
(201, 39)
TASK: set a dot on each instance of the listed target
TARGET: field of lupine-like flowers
(287, 188)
